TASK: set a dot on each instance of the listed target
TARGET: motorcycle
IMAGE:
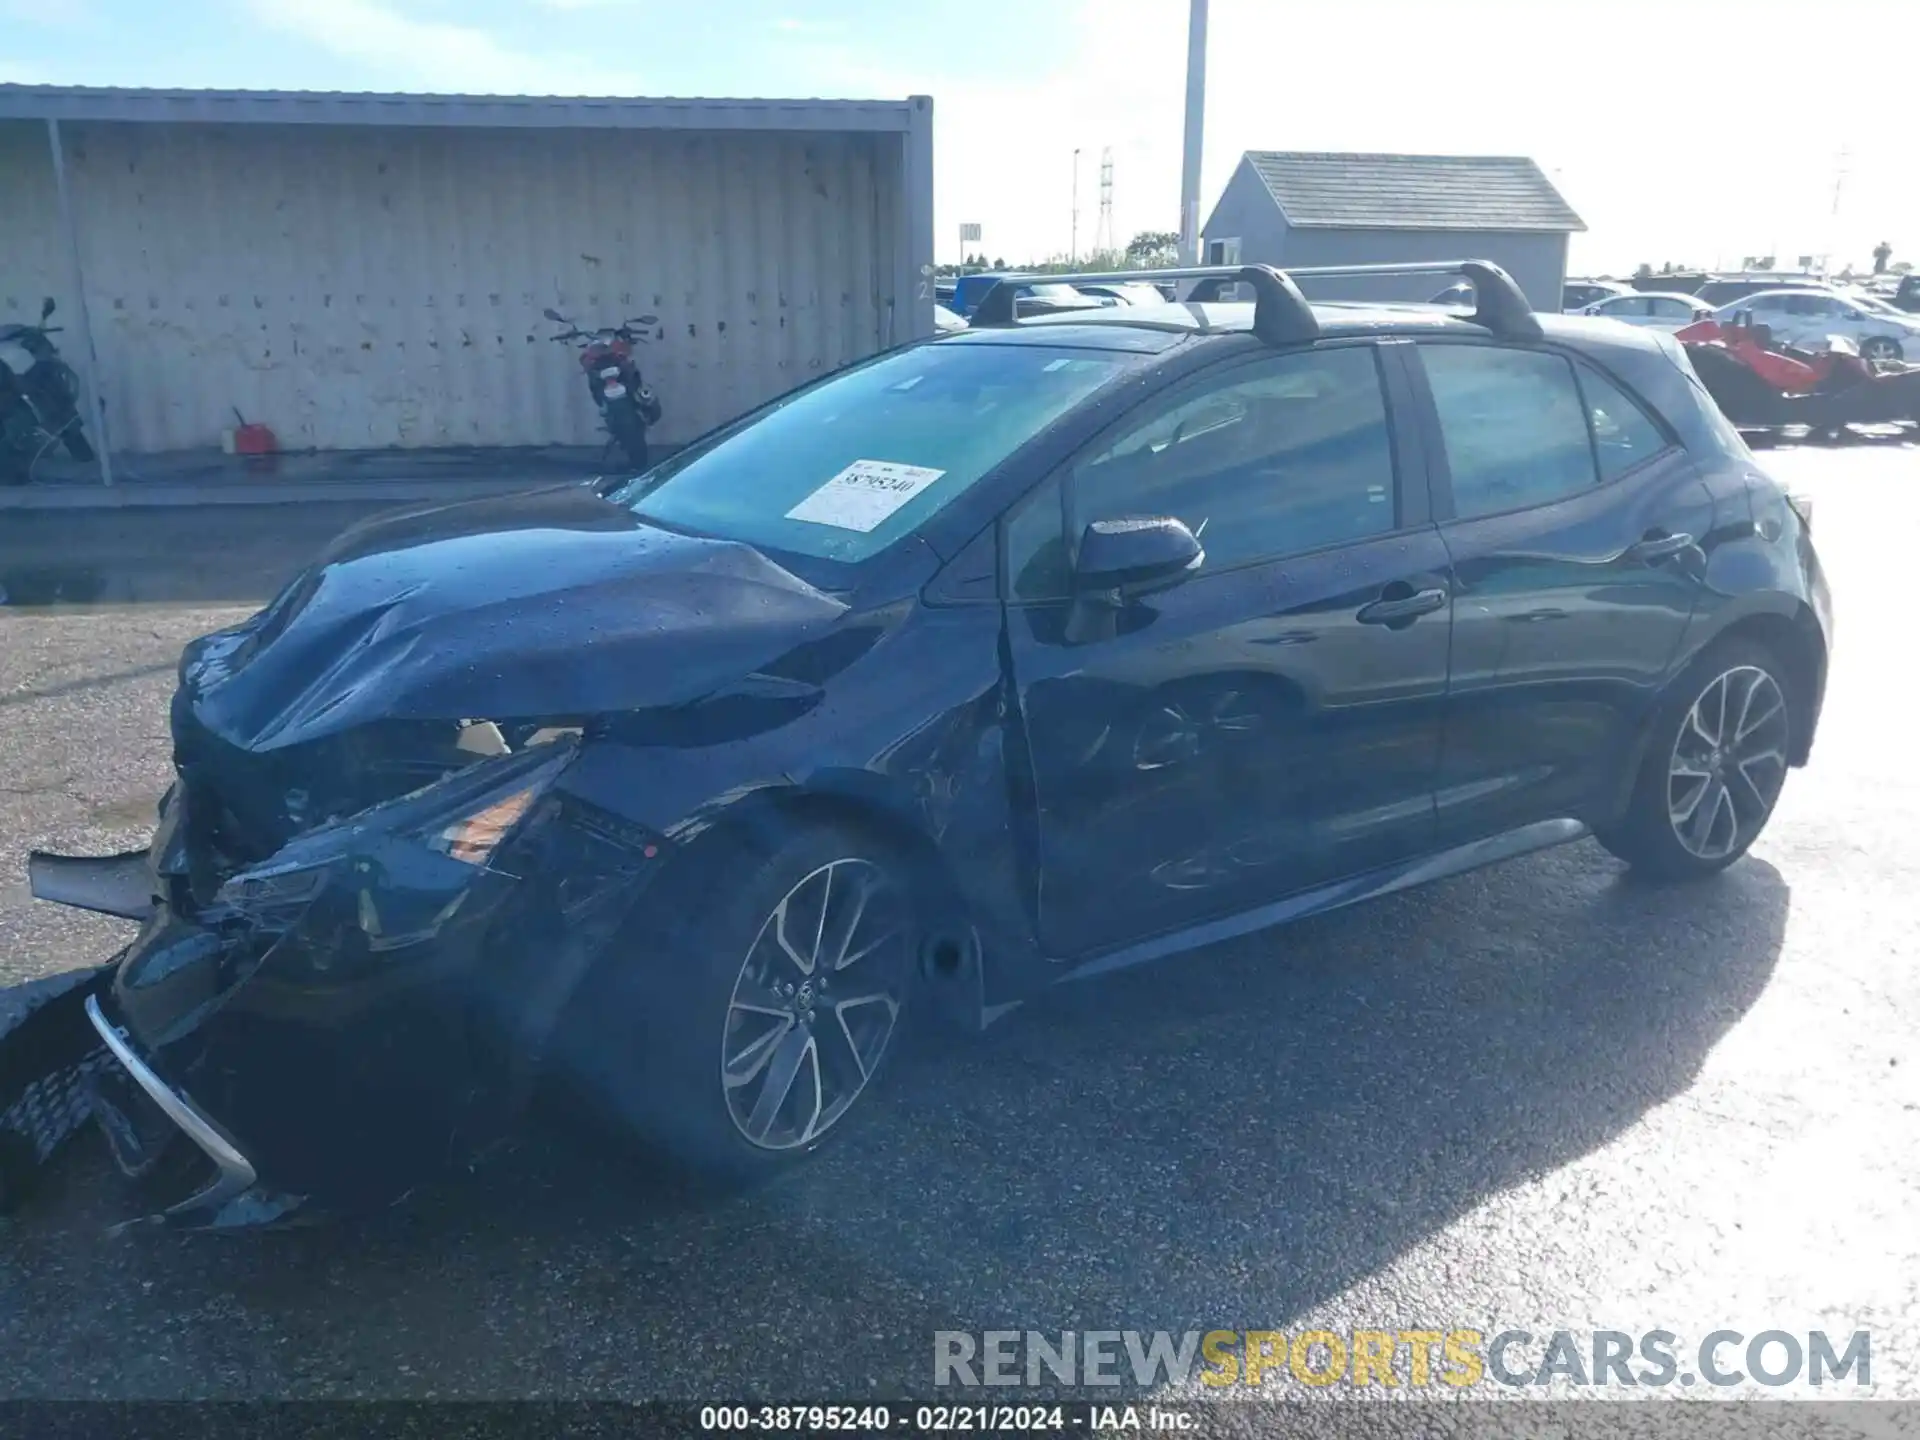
(1760, 384)
(39, 399)
(626, 404)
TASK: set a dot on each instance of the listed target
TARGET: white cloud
(437, 55)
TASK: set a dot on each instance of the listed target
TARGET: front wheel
(1715, 762)
(765, 1017)
(1881, 347)
(629, 431)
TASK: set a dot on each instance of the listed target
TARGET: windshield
(843, 469)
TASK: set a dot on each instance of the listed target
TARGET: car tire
(748, 1060)
(629, 432)
(1881, 347)
(1719, 738)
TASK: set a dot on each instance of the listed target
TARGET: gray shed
(1297, 208)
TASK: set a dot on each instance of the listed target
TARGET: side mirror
(1136, 555)
(46, 309)
(555, 316)
(645, 321)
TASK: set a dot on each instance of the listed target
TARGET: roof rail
(1281, 314)
(1499, 305)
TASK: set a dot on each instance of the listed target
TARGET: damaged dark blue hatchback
(1006, 658)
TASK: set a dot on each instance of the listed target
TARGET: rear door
(1572, 518)
(1274, 721)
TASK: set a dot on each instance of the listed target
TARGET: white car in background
(1652, 309)
(1807, 317)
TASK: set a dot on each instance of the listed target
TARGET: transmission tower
(1103, 240)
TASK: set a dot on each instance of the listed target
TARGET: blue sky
(1638, 110)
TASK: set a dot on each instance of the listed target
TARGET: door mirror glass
(46, 309)
(1136, 554)
(555, 316)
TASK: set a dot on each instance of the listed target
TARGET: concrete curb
(150, 495)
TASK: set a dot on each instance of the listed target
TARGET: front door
(1573, 521)
(1273, 722)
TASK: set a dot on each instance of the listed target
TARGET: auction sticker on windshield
(864, 494)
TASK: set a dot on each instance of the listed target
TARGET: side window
(1629, 305)
(1513, 424)
(1669, 309)
(1275, 458)
(1623, 434)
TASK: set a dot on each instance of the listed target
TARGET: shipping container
(358, 272)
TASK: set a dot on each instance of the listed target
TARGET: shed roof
(334, 107)
(1320, 190)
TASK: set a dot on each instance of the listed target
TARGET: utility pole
(1073, 244)
(1103, 237)
(1196, 120)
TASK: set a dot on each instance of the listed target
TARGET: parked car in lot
(1577, 295)
(1038, 296)
(1012, 656)
(1725, 289)
(1124, 293)
(945, 320)
(1806, 317)
(1651, 309)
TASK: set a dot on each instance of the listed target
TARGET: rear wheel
(1714, 766)
(629, 431)
(767, 1016)
(1881, 347)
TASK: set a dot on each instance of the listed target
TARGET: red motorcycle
(626, 404)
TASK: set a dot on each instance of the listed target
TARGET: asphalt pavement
(1541, 1097)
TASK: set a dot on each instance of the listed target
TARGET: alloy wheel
(815, 1003)
(1880, 348)
(1728, 763)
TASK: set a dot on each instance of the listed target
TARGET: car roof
(1655, 295)
(1820, 292)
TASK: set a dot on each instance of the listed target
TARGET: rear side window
(1514, 425)
(1623, 435)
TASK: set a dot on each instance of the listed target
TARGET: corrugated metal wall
(365, 287)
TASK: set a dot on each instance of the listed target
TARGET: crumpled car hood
(545, 604)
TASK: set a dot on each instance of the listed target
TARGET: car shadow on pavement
(1224, 1139)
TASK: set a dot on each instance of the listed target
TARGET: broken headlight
(464, 816)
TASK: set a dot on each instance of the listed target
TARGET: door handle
(1400, 604)
(1658, 545)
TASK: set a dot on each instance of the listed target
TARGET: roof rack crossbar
(1499, 304)
(1281, 314)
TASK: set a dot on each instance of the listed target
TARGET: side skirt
(1541, 835)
